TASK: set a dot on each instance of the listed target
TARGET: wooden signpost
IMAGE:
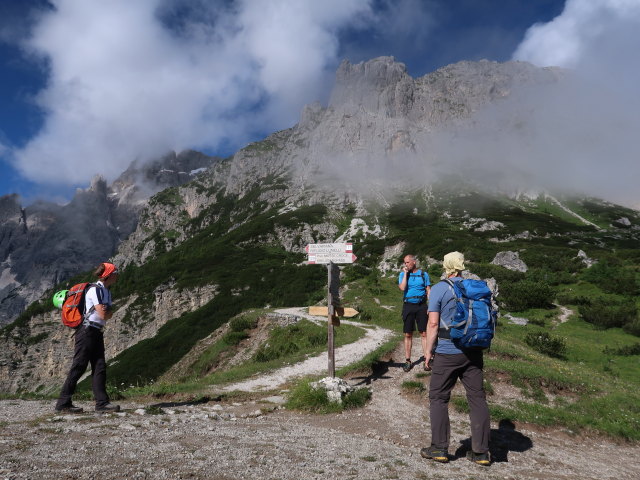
(332, 254)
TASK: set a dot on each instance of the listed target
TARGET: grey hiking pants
(446, 371)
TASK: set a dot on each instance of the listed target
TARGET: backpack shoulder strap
(93, 307)
(452, 288)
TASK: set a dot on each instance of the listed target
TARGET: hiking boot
(109, 407)
(407, 366)
(435, 453)
(479, 458)
(71, 408)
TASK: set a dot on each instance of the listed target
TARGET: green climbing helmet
(59, 298)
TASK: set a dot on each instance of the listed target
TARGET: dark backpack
(474, 323)
(73, 306)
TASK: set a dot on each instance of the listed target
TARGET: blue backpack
(474, 323)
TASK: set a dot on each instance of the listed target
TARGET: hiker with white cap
(450, 363)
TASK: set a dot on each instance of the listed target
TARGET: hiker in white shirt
(89, 344)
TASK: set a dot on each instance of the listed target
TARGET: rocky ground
(256, 438)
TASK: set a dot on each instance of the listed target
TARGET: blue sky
(89, 86)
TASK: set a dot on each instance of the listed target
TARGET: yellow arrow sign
(340, 311)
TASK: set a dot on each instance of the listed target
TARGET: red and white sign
(313, 248)
(330, 252)
(332, 257)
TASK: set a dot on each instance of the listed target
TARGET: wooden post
(330, 343)
(333, 298)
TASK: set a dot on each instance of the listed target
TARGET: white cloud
(584, 29)
(122, 85)
(584, 136)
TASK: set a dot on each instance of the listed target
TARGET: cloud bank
(581, 135)
(132, 80)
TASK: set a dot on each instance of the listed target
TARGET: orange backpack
(73, 306)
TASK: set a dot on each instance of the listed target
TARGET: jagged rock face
(45, 244)
(333, 155)
(380, 119)
(56, 242)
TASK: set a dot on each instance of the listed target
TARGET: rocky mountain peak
(45, 243)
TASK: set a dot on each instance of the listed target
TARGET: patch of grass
(356, 398)
(412, 386)
(36, 338)
(308, 399)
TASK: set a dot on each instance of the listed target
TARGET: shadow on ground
(503, 440)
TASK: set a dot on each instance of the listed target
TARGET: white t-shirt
(95, 296)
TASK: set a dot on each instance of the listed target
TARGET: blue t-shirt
(442, 300)
(416, 290)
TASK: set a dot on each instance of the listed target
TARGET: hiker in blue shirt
(449, 364)
(416, 286)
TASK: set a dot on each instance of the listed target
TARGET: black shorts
(414, 314)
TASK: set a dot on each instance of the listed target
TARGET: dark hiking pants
(89, 349)
(446, 371)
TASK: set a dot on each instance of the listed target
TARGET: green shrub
(553, 259)
(570, 298)
(632, 327)
(241, 324)
(625, 351)
(526, 294)
(546, 344)
(501, 274)
(36, 338)
(609, 312)
(613, 278)
(234, 338)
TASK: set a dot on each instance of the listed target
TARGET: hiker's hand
(104, 311)
(428, 364)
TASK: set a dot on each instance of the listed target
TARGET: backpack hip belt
(93, 325)
(421, 297)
